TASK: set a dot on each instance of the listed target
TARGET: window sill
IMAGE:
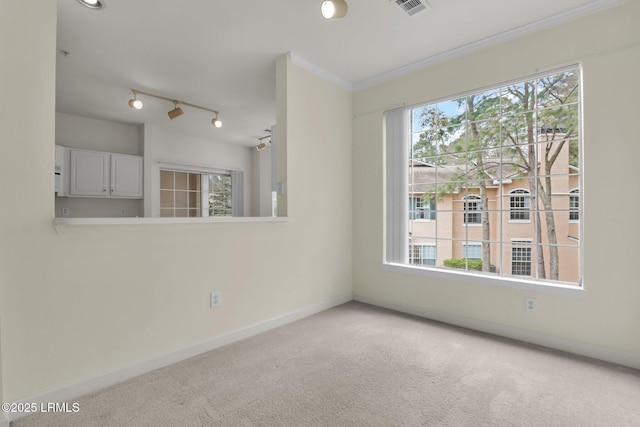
(490, 280)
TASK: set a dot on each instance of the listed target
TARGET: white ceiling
(220, 54)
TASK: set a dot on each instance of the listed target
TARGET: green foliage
(434, 134)
(219, 195)
(474, 264)
(574, 153)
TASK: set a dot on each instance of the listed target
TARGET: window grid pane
(422, 254)
(181, 194)
(472, 214)
(521, 259)
(219, 195)
(472, 251)
(519, 205)
(574, 206)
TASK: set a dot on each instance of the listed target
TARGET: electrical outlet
(530, 304)
(123, 212)
(65, 211)
(215, 299)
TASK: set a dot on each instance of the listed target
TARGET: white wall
(162, 146)
(98, 135)
(80, 301)
(263, 182)
(27, 123)
(263, 186)
(607, 317)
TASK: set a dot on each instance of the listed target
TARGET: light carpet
(359, 365)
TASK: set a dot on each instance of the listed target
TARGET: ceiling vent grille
(411, 7)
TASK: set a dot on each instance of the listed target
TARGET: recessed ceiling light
(92, 4)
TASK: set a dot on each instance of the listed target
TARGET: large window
(499, 162)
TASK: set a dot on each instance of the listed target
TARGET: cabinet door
(126, 176)
(89, 173)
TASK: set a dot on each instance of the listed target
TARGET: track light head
(134, 102)
(92, 4)
(262, 145)
(332, 9)
(176, 112)
(216, 121)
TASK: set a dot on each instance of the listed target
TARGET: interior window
(193, 194)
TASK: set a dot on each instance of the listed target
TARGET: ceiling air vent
(411, 7)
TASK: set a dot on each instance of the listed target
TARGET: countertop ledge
(172, 221)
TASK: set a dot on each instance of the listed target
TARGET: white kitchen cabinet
(99, 174)
(89, 173)
(126, 176)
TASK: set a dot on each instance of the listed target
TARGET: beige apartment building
(446, 216)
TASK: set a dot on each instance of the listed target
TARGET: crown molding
(320, 72)
(560, 18)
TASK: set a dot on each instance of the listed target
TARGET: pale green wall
(607, 45)
(85, 300)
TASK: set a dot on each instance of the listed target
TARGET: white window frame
(522, 243)
(237, 186)
(207, 194)
(477, 201)
(475, 246)
(417, 209)
(526, 209)
(414, 245)
(395, 257)
(425, 210)
(574, 194)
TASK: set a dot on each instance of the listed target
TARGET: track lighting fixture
(177, 110)
(135, 102)
(216, 121)
(332, 9)
(92, 4)
(263, 144)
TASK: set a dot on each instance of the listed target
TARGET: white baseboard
(571, 346)
(99, 382)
